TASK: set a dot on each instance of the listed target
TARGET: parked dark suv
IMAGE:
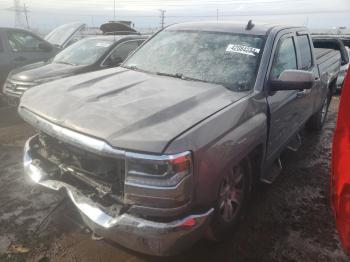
(89, 54)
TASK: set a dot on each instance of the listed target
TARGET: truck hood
(128, 109)
(39, 72)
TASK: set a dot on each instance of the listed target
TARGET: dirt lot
(289, 220)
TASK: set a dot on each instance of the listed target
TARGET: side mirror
(293, 80)
(45, 47)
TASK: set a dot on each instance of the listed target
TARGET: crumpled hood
(41, 71)
(127, 109)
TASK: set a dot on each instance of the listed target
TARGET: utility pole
(25, 10)
(114, 10)
(18, 13)
(162, 18)
(21, 14)
(217, 14)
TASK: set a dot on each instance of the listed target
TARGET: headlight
(159, 171)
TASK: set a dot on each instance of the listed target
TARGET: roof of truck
(228, 27)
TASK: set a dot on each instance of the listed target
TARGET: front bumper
(10, 99)
(142, 235)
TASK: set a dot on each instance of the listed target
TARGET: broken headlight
(158, 171)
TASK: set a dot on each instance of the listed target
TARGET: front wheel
(317, 120)
(231, 202)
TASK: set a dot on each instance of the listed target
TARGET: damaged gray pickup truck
(165, 149)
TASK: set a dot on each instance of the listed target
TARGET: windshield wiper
(177, 75)
(186, 78)
(135, 68)
(65, 63)
(181, 76)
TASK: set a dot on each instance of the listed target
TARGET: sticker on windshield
(242, 49)
(103, 44)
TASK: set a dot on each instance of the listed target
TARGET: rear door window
(23, 42)
(305, 52)
(285, 57)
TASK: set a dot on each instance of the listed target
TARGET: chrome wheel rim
(231, 194)
(324, 110)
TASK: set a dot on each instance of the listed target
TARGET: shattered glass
(228, 59)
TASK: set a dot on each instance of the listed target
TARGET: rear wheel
(317, 120)
(232, 198)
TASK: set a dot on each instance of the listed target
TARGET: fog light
(34, 173)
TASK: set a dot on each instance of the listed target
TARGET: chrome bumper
(146, 236)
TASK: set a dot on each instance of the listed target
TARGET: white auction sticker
(241, 49)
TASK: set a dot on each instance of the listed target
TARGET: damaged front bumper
(127, 229)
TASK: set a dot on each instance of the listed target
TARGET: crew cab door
(287, 106)
(306, 98)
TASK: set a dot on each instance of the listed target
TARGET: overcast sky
(145, 13)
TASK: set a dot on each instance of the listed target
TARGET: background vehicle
(20, 47)
(89, 54)
(62, 36)
(344, 68)
(340, 182)
(166, 148)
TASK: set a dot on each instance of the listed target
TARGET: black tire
(316, 122)
(223, 224)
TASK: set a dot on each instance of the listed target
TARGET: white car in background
(342, 73)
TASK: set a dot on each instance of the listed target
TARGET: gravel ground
(289, 220)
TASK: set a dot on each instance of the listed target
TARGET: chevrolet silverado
(165, 149)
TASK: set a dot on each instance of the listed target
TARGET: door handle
(303, 93)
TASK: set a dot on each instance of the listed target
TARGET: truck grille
(105, 175)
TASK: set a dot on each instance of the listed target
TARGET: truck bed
(328, 61)
(323, 54)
